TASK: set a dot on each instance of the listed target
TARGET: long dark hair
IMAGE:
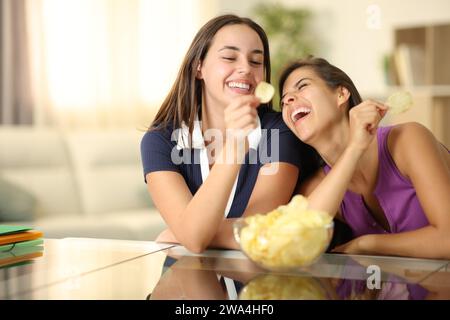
(183, 101)
(332, 75)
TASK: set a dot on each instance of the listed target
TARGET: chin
(304, 134)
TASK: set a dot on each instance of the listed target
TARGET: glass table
(80, 268)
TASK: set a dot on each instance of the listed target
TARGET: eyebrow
(257, 51)
(295, 86)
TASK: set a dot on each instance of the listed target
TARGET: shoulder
(409, 135)
(155, 138)
(271, 119)
(409, 128)
(407, 142)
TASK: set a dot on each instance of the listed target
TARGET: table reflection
(210, 278)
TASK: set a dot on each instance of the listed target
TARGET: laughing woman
(397, 200)
(204, 157)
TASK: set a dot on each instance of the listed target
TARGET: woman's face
(309, 106)
(233, 66)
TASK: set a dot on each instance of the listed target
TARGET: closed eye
(301, 86)
(229, 58)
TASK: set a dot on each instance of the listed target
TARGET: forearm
(427, 242)
(224, 237)
(328, 195)
(204, 214)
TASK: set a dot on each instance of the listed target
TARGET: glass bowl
(282, 249)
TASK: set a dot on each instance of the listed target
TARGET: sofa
(80, 183)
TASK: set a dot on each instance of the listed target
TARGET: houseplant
(289, 35)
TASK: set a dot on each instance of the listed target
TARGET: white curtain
(15, 92)
(107, 62)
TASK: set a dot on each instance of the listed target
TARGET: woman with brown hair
(395, 184)
(214, 152)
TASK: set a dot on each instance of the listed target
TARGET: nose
(244, 67)
(288, 98)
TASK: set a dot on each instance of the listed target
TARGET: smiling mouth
(239, 85)
(300, 113)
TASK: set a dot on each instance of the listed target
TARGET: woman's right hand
(241, 116)
(364, 119)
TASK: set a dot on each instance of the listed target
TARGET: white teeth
(239, 85)
(299, 110)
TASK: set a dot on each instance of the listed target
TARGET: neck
(332, 144)
(213, 118)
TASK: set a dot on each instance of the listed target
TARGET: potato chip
(399, 102)
(290, 236)
(264, 91)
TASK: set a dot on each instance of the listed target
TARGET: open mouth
(240, 86)
(300, 113)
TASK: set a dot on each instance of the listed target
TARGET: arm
(186, 283)
(427, 167)
(269, 193)
(326, 192)
(309, 185)
(195, 219)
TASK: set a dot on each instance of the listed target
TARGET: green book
(13, 247)
(20, 255)
(6, 229)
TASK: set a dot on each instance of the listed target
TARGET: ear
(343, 95)
(199, 75)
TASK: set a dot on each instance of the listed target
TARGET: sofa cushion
(16, 204)
(108, 170)
(36, 160)
(24, 146)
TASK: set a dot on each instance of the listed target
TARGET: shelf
(420, 63)
(434, 90)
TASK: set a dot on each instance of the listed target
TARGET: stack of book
(410, 65)
(19, 244)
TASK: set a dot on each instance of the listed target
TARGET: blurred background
(80, 81)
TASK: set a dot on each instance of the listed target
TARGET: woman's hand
(240, 119)
(241, 116)
(364, 119)
(360, 245)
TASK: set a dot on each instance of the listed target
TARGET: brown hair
(332, 75)
(183, 101)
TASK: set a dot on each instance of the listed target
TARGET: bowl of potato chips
(287, 238)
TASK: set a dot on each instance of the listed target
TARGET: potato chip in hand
(399, 102)
(264, 91)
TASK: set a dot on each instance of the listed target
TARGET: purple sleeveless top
(396, 196)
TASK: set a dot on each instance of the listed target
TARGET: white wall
(347, 40)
